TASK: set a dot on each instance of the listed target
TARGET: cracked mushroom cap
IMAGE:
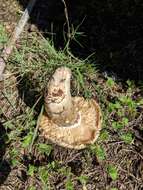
(71, 122)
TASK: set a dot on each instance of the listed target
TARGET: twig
(136, 122)
(129, 150)
(36, 129)
(15, 35)
(67, 21)
(73, 158)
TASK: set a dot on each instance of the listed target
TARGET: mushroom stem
(58, 100)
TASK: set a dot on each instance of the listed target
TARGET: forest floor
(27, 161)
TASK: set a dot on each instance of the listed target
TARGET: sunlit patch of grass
(40, 59)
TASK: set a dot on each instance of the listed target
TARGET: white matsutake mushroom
(71, 122)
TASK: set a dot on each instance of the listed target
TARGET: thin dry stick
(15, 35)
(36, 129)
(67, 21)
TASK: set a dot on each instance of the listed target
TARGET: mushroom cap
(78, 135)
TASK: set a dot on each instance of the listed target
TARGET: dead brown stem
(14, 37)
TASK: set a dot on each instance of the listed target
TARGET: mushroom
(71, 122)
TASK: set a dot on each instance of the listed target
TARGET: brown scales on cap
(72, 122)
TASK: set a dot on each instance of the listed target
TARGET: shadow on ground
(4, 165)
(28, 93)
(113, 30)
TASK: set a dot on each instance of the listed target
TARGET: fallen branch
(15, 35)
